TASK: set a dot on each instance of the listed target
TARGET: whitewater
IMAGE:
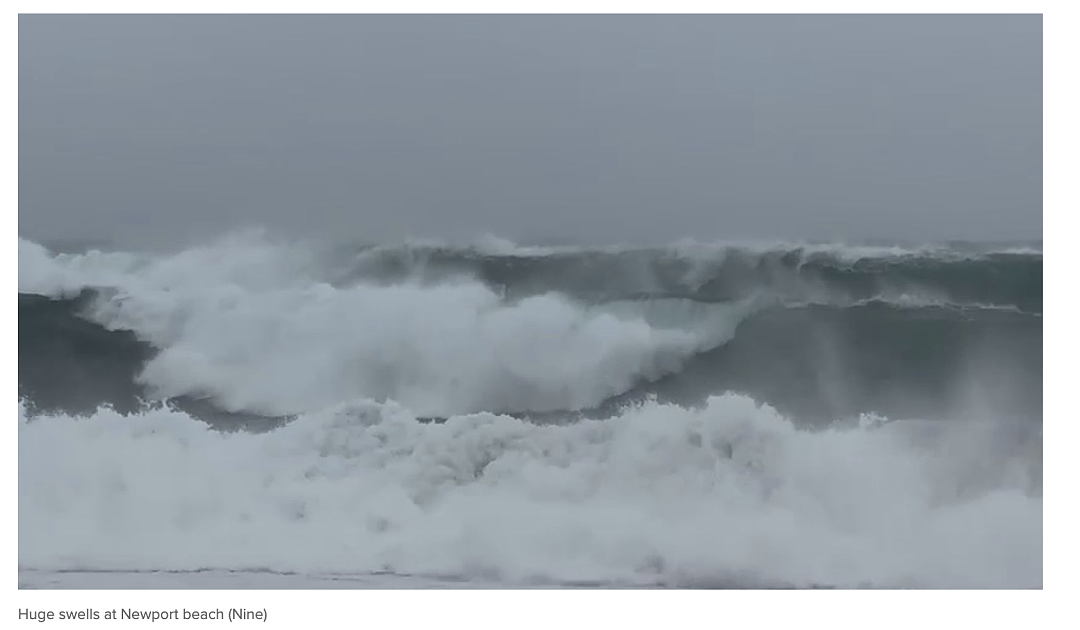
(256, 412)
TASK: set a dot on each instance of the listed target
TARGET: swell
(821, 363)
(725, 490)
(964, 273)
(814, 362)
(69, 364)
(1007, 278)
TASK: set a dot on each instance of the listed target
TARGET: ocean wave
(718, 273)
(541, 357)
(264, 328)
(689, 415)
(442, 350)
(964, 273)
(728, 494)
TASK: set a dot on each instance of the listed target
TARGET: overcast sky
(601, 129)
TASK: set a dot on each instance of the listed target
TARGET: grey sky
(541, 128)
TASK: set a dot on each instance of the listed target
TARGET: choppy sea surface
(255, 413)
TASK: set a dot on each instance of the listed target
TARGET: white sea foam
(731, 494)
(252, 325)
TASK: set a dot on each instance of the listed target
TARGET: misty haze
(580, 129)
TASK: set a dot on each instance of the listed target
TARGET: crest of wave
(252, 325)
(730, 494)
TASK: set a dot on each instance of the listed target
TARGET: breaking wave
(690, 415)
(728, 495)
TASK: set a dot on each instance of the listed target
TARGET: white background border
(595, 609)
